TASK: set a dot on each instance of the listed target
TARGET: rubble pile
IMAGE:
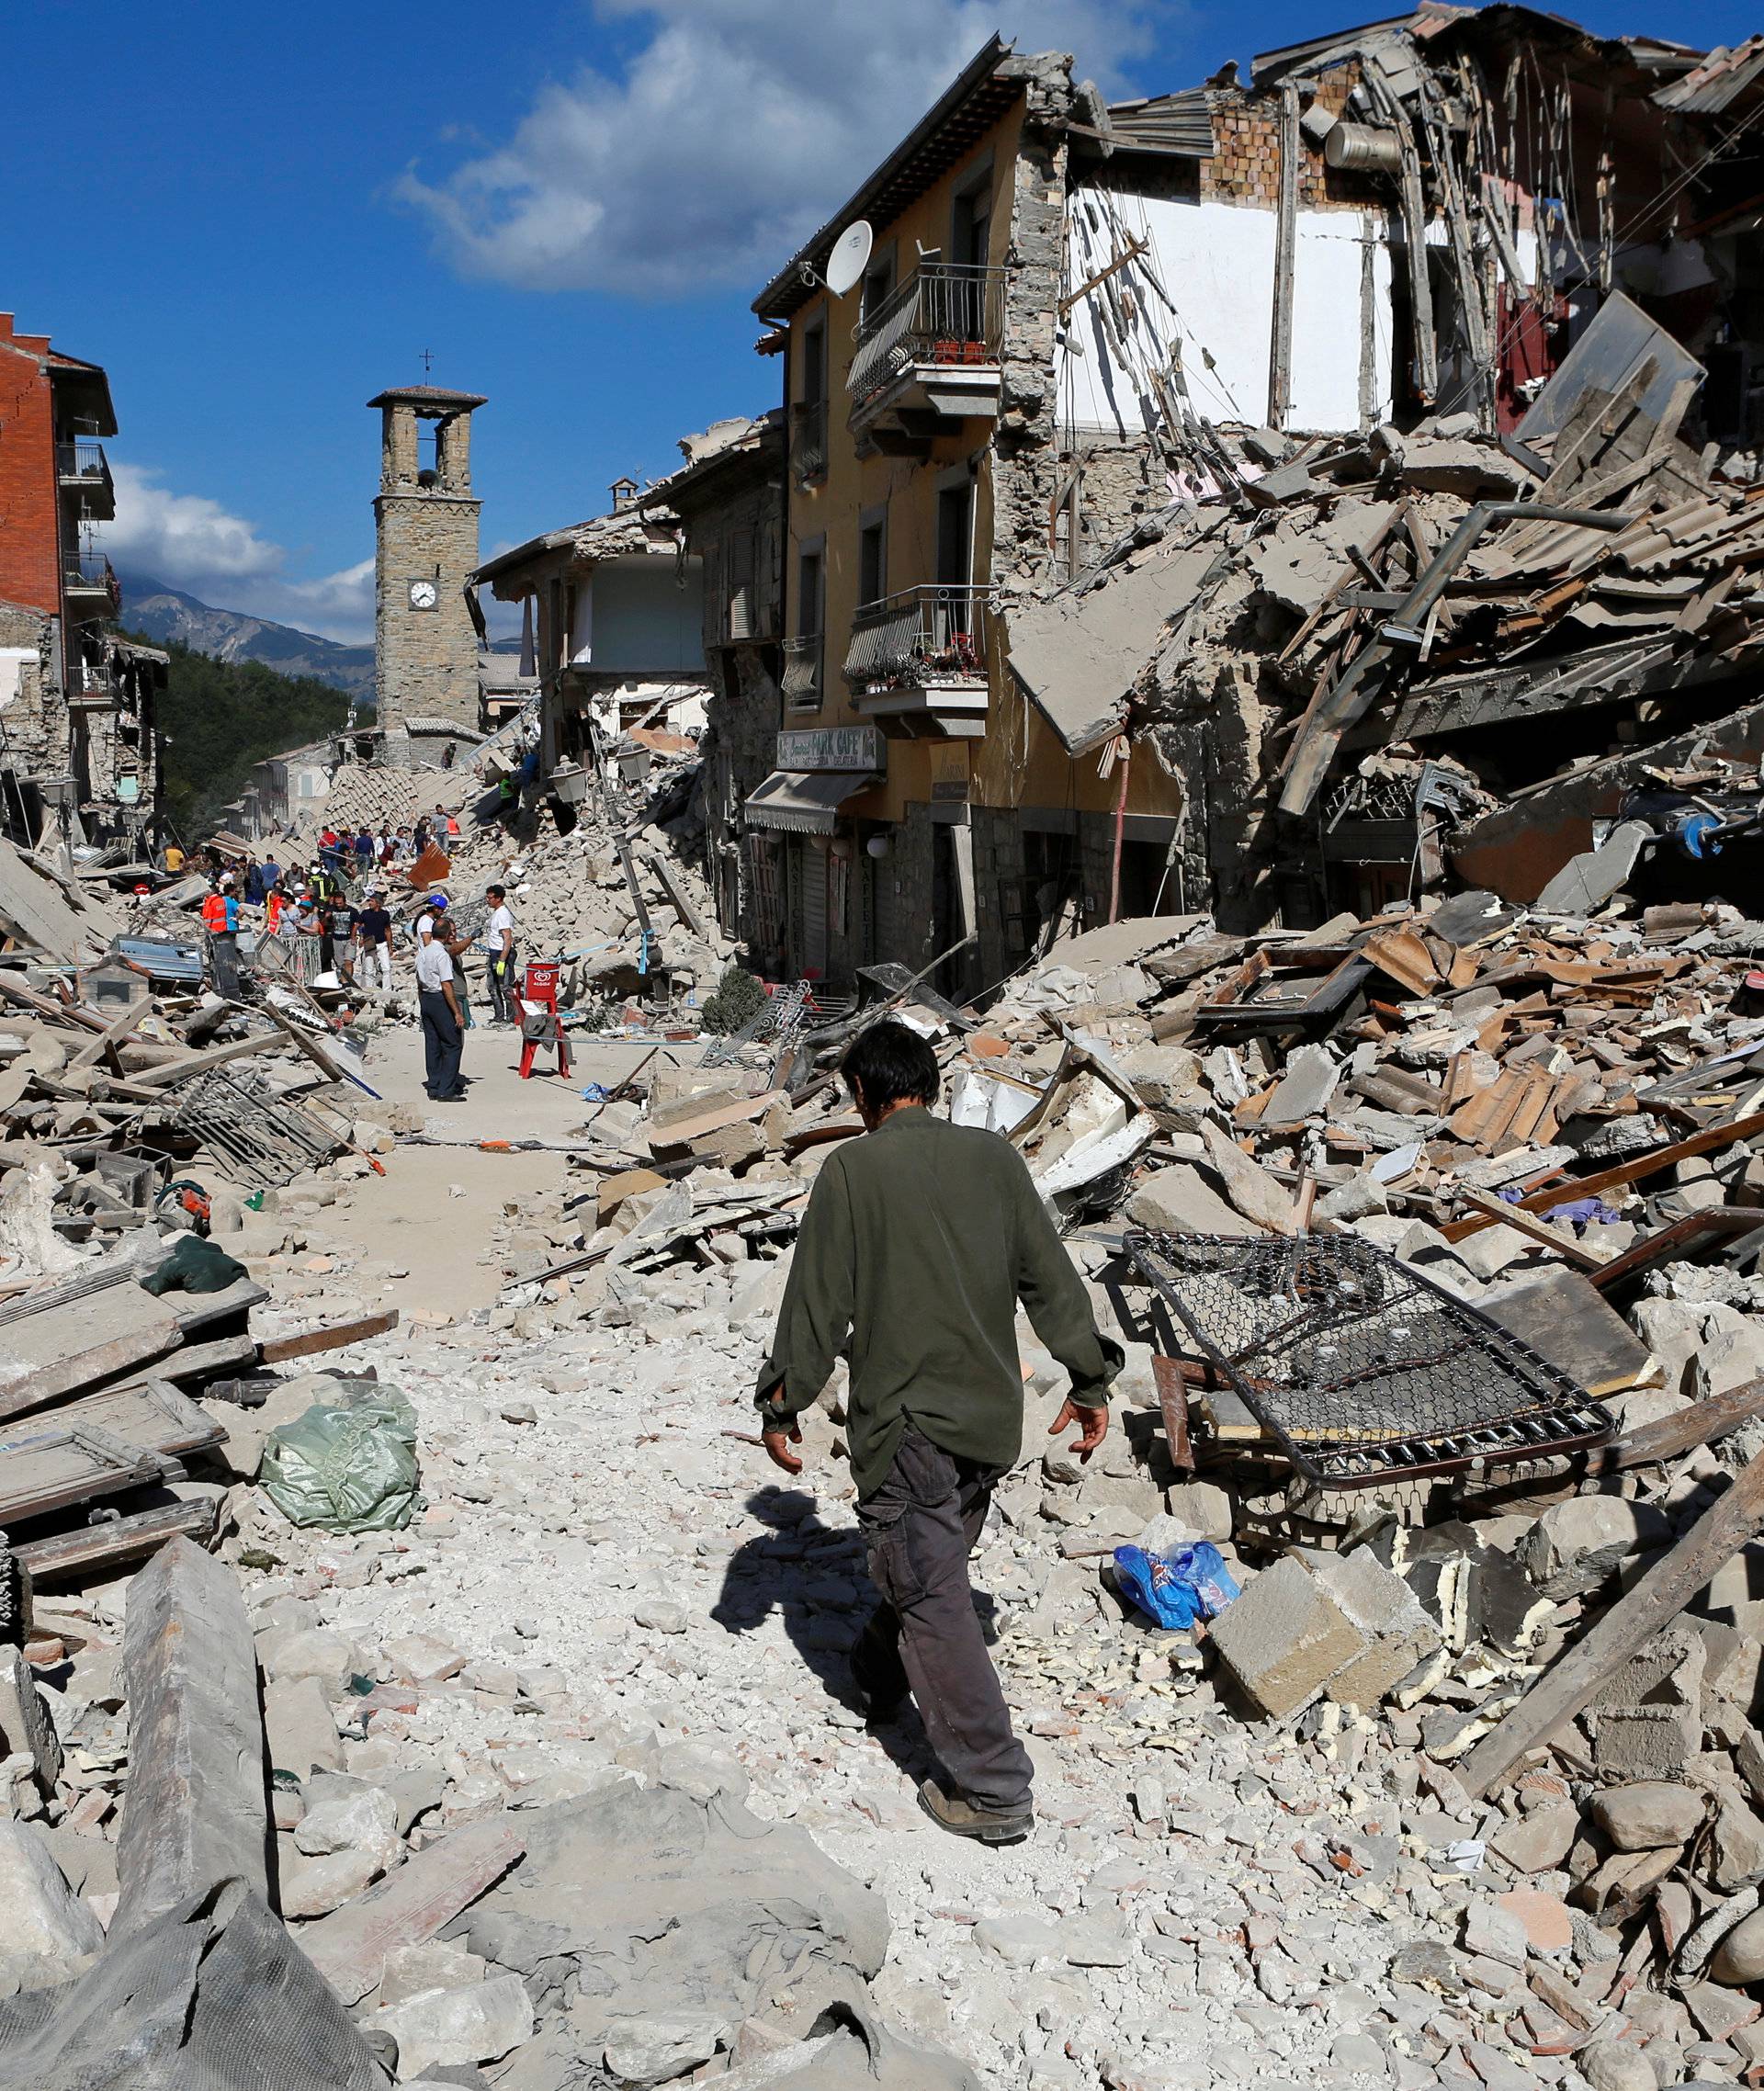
(1461, 1788)
(1345, 624)
(1549, 1119)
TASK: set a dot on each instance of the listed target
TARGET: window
(955, 528)
(971, 221)
(878, 284)
(808, 591)
(809, 416)
(872, 558)
(813, 386)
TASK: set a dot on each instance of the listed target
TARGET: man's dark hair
(496, 892)
(891, 1063)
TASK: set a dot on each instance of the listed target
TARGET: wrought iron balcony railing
(93, 575)
(800, 682)
(84, 458)
(948, 312)
(922, 635)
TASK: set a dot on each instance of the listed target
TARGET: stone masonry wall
(426, 660)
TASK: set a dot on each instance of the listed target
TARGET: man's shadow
(761, 1573)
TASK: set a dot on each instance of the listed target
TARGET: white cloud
(193, 543)
(735, 131)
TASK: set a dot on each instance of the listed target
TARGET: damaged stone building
(1455, 408)
(613, 624)
(934, 474)
(79, 739)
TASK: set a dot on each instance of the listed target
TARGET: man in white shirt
(443, 1039)
(497, 944)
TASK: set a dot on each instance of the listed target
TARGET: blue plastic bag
(1178, 1586)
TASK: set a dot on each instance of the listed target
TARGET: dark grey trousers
(920, 1527)
(442, 1044)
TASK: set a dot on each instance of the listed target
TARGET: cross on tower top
(428, 362)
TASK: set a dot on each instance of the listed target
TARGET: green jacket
(918, 1243)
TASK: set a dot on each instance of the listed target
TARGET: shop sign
(831, 748)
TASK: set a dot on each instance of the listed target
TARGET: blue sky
(257, 218)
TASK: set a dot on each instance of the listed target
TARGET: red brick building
(79, 752)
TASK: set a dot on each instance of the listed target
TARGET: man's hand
(1092, 1423)
(777, 1441)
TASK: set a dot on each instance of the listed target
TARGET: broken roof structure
(1548, 512)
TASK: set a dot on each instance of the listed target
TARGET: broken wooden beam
(1571, 1188)
(339, 1334)
(1571, 1683)
(197, 1813)
(70, 1554)
(1671, 1437)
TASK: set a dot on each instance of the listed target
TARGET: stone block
(301, 1727)
(1648, 1815)
(1180, 1200)
(1285, 1638)
(1395, 1634)
(44, 1916)
(25, 1726)
(1578, 1546)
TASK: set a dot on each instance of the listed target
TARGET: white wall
(1215, 262)
(641, 614)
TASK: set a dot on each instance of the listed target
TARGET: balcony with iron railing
(922, 652)
(90, 588)
(933, 345)
(801, 680)
(91, 687)
(83, 471)
(809, 441)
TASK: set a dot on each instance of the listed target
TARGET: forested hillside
(220, 718)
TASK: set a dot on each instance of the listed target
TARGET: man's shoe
(962, 1818)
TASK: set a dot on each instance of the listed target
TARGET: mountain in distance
(163, 614)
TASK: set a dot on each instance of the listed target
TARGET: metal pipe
(1120, 831)
(1408, 626)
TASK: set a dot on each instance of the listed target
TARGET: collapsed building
(1510, 481)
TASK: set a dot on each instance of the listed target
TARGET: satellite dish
(851, 253)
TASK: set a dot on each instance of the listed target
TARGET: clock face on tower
(423, 595)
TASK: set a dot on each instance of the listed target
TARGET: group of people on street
(358, 941)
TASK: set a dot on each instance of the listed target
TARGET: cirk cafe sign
(831, 748)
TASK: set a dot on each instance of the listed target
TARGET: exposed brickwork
(1245, 166)
(29, 502)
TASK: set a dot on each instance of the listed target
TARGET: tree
(738, 1000)
(222, 717)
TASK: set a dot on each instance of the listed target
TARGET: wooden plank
(46, 1468)
(1571, 1682)
(200, 1361)
(1566, 1320)
(196, 1814)
(82, 1343)
(72, 1554)
(103, 1042)
(200, 1063)
(1173, 1402)
(1668, 1240)
(1651, 1444)
(676, 894)
(1525, 1223)
(1625, 1173)
(279, 1350)
(410, 1905)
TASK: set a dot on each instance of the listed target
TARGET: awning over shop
(805, 800)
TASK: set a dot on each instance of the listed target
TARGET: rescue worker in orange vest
(220, 919)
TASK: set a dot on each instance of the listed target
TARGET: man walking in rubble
(919, 1242)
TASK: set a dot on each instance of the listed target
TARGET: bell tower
(426, 538)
